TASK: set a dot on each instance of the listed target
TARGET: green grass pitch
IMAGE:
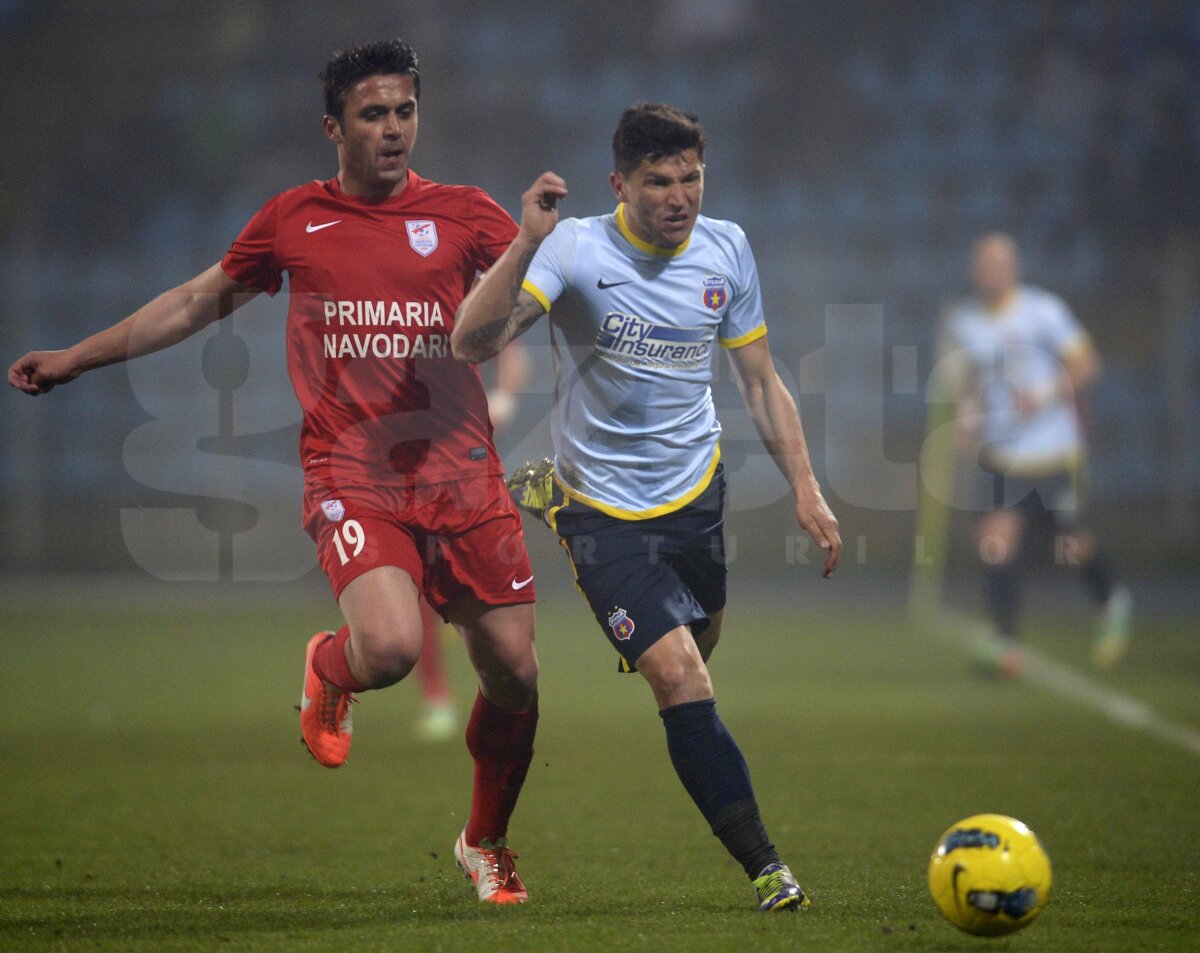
(155, 795)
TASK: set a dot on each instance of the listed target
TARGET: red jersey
(374, 288)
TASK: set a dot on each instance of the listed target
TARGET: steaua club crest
(715, 294)
(622, 626)
(422, 235)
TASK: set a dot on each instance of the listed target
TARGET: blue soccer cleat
(777, 890)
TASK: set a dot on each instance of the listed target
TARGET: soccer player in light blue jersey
(1028, 364)
(647, 294)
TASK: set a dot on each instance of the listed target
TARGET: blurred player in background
(403, 491)
(638, 489)
(1028, 365)
(439, 719)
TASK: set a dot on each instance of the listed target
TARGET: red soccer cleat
(491, 867)
(325, 720)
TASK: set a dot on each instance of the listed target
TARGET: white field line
(965, 632)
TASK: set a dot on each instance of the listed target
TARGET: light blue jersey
(633, 335)
(1020, 347)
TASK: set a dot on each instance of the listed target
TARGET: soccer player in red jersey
(403, 490)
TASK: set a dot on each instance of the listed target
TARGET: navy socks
(1000, 585)
(1098, 578)
(713, 771)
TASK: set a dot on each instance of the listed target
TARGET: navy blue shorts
(1053, 498)
(644, 578)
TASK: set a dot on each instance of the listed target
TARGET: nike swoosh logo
(602, 284)
(522, 585)
(310, 227)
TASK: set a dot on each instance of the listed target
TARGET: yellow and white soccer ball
(989, 875)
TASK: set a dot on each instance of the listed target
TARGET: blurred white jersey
(635, 432)
(1019, 347)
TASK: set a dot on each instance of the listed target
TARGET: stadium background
(155, 588)
(862, 147)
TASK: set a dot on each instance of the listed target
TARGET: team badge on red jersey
(422, 235)
(622, 626)
(333, 510)
(715, 294)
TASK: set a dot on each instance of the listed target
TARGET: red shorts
(456, 540)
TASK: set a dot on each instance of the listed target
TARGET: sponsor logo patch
(422, 235)
(622, 626)
(635, 342)
(333, 510)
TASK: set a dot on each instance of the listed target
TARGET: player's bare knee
(521, 675)
(1078, 547)
(511, 686)
(382, 660)
(681, 679)
(387, 668)
(997, 549)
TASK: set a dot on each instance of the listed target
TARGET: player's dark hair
(350, 66)
(654, 131)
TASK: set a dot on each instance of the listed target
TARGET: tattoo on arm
(523, 310)
(492, 338)
(514, 290)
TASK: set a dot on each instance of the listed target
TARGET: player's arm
(778, 421)
(968, 407)
(512, 374)
(1081, 365)
(956, 379)
(166, 320)
(497, 310)
(1080, 370)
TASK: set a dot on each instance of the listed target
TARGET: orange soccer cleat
(325, 721)
(491, 867)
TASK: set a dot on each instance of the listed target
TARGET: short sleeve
(1064, 332)
(251, 258)
(743, 322)
(494, 230)
(550, 271)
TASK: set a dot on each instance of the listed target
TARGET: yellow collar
(643, 246)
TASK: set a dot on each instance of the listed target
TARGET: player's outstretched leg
(1003, 655)
(501, 743)
(999, 540)
(500, 734)
(1112, 639)
(712, 769)
(325, 710)
(377, 647)
(492, 868)
(1115, 601)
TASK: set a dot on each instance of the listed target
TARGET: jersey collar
(645, 247)
(415, 182)
(1004, 305)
